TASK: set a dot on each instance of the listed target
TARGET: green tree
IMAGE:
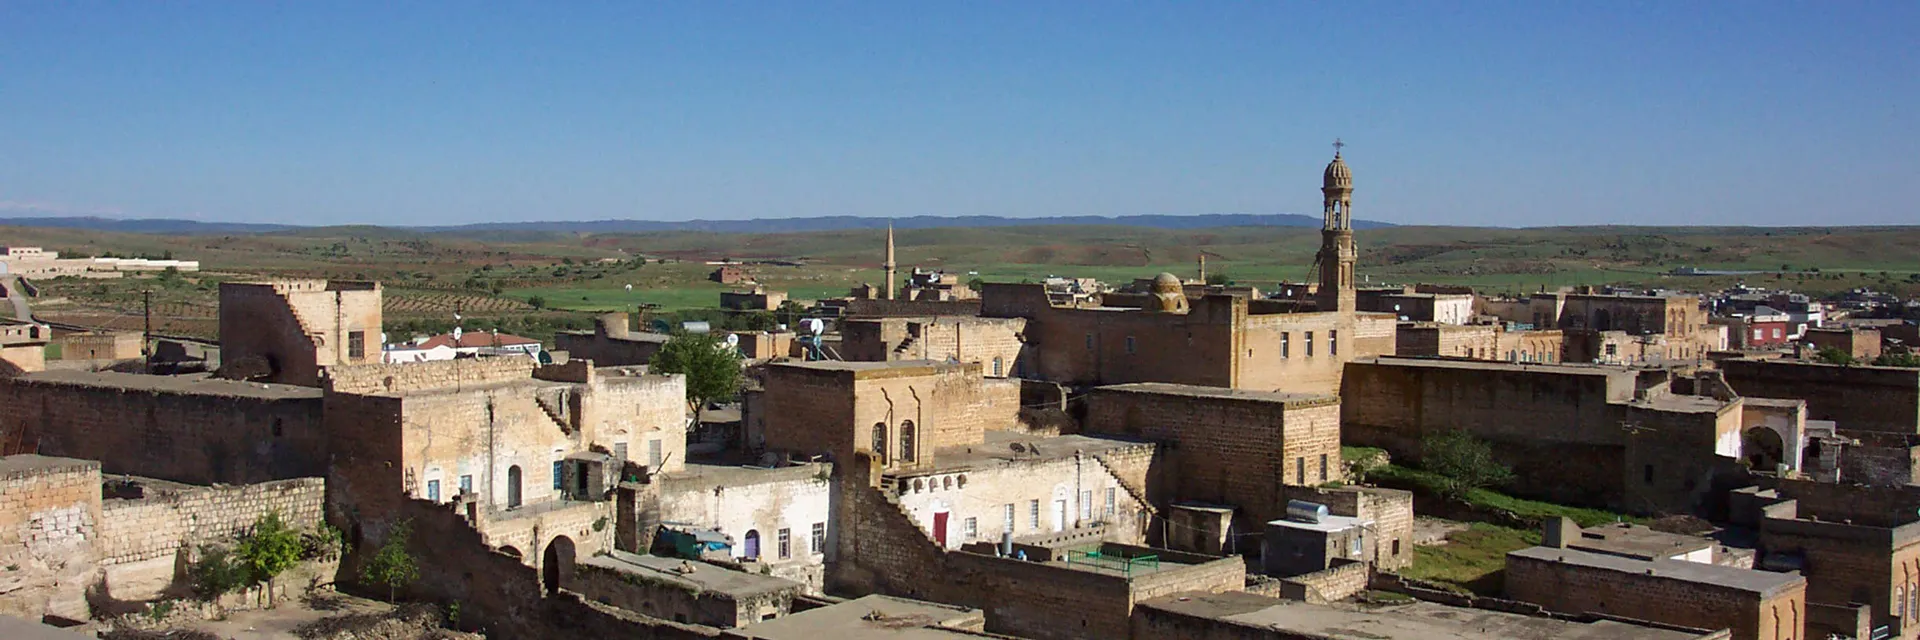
(1832, 355)
(393, 565)
(1898, 360)
(537, 302)
(217, 572)
(1465, 462)
(712, 369)
(790, 313)
(269, 550)
(1218, 279)
(755, 321)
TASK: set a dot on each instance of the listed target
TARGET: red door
(940, 528)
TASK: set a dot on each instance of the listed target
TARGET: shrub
(1464, 463)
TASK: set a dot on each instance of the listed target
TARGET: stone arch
(510, 550)
(1763, 448)
(513, 486)
(556, 565)
(907, 440)
(750, 544)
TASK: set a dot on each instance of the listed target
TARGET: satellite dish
(629, 288)
(814, 326)
(733, 340)
(456, 334)
(383, 337)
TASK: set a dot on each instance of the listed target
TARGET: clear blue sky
(1482, 113)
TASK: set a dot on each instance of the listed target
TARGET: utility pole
(146, 334)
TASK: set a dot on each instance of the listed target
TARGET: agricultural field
(536, 280)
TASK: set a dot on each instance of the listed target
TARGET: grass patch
(1472, 560)
(1430, 483)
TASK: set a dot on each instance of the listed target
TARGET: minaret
(1337, 254)
(889, 264)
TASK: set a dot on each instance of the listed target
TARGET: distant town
(441, 437)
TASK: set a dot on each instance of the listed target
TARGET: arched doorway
(513, 486)
(880, 441)
(1602, 320)
(556, 567)
(1764, 449)
(752, 544)
(907, 437)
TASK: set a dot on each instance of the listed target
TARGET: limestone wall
(49, 535)
(418, 376)
(200, 432)
(141, 539)
(1575, 589)
(1855, 398)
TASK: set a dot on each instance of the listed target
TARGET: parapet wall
(49, 526)
(141, 538)
(1855, 398)
(421, 376)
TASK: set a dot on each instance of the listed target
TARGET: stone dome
(1337, 175)
(1170, 293)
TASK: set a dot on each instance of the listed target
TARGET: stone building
(904, 412)
(728, 274)
(528, 454)
(778, 517)
(99, 345)
(1854, 547)
(1755, 605)
(1859, 344)
(288, 331)
(1623, 328)
(1228, 446)
(23, 347)
(685, 591)
(1248, 616)
(1587, 434)
(755, 299)
(1218, 340)
(611, 343)
(1418, 306)
(1858, 398)
(1479, 342)
(994, 343)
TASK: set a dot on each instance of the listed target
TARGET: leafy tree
(755, 321)
(977, 284)
(712, 369)
(393, 565)
(1832, 355)
(1218, 279)
(537, 302)
(790, 313)
(269, 550)
(217, 572)
(1465, 462)
(1898, 360)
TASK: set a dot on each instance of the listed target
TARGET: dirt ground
(321, 616)
(1428, 532)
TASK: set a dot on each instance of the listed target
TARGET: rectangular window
(1396, 547)
(1089, 342)
(1129, 345)
(556, 474)
(1309, 344)
(1323, 467)
(786, 543)
(972, 528)
(1759, 334)
(1285, 346)
(818, 542)
(1300, 470)
(1776, 332)
(1333, 343)
(1112, 493)
(1033, 514)
(1647, 474)
(466, 484)
(653, 455)
(620, 451)
(1007, 517)
(433, 490)
(998, 367)
(356, 344)
(1086, 506)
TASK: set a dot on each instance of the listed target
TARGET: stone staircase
(905, 346)
(554, 404)
(1139, 493)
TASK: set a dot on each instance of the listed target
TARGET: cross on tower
(1337, 144)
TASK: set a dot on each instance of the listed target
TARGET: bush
(217, 572)
(268, 550)
(1464, 463)
(393, 565)
(1831, 355)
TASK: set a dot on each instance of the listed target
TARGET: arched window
(513, 486)
(880, 441)
(906, 441)
(752, 542)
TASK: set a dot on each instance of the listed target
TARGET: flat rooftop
(1761, 582)
(1196, 391)
(1683, 404)
(998, 448)
(28, 464)
(1562, 368)
(723, 475)
(1327, 523)
(844, 365)
(691, 573)
(1635, 541)
(189, 384)
(1415, 621)
(13, 628)
(871, 618)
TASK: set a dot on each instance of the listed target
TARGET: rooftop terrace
(1415, 621)
(691, 573)
(1761, 582)
(184, 384)
(871, 618)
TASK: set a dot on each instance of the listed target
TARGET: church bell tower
(1337, 254)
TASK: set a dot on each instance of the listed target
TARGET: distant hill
(163, 226)
(759, 225)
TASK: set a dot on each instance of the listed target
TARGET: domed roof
(1169, 293)
(1337, 175)
(1166, 283)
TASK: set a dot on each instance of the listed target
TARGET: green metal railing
(1124, 565)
